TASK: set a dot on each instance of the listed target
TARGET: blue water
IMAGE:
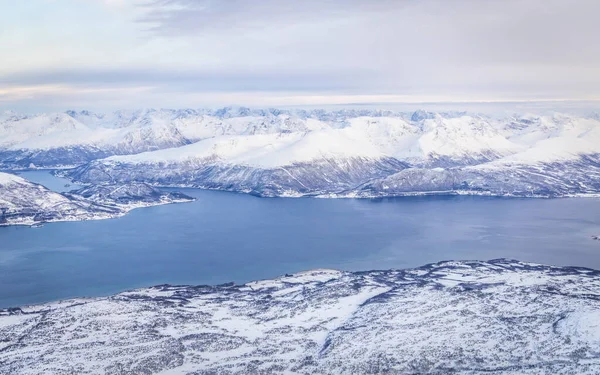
(44, 177)
(226, 237)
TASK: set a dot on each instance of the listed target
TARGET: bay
(228, 237)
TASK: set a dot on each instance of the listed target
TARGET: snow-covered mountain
(25, 203)
(498, 317)
(73, 138)
(265, 164)
(326, 153)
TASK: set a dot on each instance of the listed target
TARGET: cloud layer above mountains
(119, 53)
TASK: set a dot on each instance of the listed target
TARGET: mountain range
(346, 153)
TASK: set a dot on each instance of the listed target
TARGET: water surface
(45, 178)
(225, 237)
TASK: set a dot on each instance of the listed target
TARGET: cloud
(402, 46)
(114, 3)
(402, 49)
(217, 80)
(174, 17)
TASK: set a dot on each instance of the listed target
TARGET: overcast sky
(109, 54)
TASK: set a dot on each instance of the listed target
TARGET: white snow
(271, 141)
(556, 138)
(520, 318)
(7, 178)
(293, 154)
(263, 150)
(584, 325)
(23, 201)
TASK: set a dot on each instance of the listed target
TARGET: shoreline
(315, 272)
(469, 316)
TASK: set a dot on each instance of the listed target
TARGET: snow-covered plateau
(345, 153)
(497, 317)
(25, 203)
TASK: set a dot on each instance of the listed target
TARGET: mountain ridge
(307, 153)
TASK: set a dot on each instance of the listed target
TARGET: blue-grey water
(225, 237)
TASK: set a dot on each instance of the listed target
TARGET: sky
(114, 54)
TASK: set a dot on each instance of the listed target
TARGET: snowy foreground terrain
(497, 317)
(25, 203)
(346, 153)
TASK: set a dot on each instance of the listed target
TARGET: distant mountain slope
(270, 164)
(299, 153)
(499, 317)
(562, 178)
(25, 203)
(73, 138)
(381, 156)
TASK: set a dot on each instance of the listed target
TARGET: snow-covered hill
(498, 317)
(296, 153)
(25, 203)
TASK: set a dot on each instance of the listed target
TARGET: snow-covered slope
(265, 164)
(498, 317)
(295, 153)
(382, 156)
(264, 150)
(62, 140)
(25, 203)
(559, 156)
(73, 138)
